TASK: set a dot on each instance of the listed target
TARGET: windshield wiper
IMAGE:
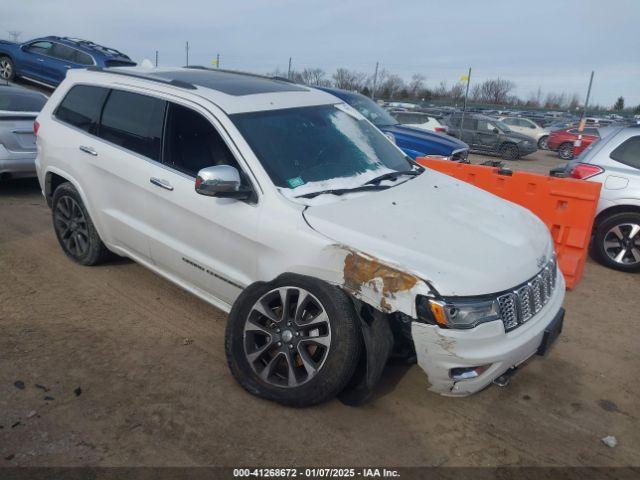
(392, 176)
(342, 191)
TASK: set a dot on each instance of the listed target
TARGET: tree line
(390, 86)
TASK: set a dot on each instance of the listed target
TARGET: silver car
(18, 110)
(614, 161)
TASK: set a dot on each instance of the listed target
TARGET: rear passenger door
(486, 137)
(206, 242)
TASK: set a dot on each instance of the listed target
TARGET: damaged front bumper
(441, 350)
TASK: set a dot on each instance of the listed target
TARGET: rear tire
(7, 69)
(542, 143)
(269, 340)
(565, 151)
(76, 233)
(616, 243)
(509, 151)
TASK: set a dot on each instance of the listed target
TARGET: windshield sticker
(295, 182)
(349, 110)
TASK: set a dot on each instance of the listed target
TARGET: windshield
(22, 102)
(371, 110)
(299, 146)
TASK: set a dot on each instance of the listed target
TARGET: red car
(567, 143)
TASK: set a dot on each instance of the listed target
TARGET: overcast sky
(552, 44)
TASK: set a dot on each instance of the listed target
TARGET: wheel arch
(613, 210)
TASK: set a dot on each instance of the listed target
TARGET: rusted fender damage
(384, 286)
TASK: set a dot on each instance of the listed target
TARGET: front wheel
(7, 71)
(295, 341)
(542, 143)
(617, 242)
(565, 151)
(509, 152)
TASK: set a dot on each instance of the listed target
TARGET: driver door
(207, 242)
(33, 56)
(487, 139)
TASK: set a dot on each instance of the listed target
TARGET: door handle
(88, 150)
(161, 183)
(40, 59)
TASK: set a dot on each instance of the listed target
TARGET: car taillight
(36, 127)
(582, 171)
(440, 129)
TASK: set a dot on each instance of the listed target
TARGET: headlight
(458, 314)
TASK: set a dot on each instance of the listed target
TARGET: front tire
(542, 143)
(509, 151)
(565, 151)
(295, 340)
(75, 231)
(7, 69)
(617, 242)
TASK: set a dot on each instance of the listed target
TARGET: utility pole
(156, 58)
(375, 83)
(289, 71)
(218, 60)
(586, 102)
(186, 48)
(466, 95)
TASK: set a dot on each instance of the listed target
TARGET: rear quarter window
(81, 107)
(134, 122)
(628, 152)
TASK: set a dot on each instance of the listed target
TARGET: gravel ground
(121, 368)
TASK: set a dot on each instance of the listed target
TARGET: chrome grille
(527, 300)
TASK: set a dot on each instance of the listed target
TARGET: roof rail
(90, 44)
(236, 72)
(175, 83)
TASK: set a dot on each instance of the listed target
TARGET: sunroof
(228, 82)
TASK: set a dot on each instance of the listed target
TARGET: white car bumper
(17, 163)
(439, 350)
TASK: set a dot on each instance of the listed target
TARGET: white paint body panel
(455, 238)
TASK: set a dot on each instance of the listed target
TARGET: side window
(61, 52)
(82, 58)
(485, 126)
(510, 121)
(469, 123)
(39, 47)
(134, 122)
(81, 107)
(628, 152)
(192, 143)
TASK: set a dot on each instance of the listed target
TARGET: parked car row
(284, 206)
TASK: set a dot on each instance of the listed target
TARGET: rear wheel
(565, 151)
(542, 143)
(295, 340)
(7, 72)
(75, 230)
(617, 242)
(509, 151)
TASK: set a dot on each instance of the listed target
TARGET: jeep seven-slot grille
(519, 305)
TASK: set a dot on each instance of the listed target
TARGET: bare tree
(314, 76)
(619, 105)
(493, 91)
(390, 84)
(416, 85)
(349, 79)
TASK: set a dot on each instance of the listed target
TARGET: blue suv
(414, 142)
(46, 60)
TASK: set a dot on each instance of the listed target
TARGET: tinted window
(82, 58)
(469, 123)
(192, 143)
(628, 152)
(486, 126)
(61, 52)
(134, 122)
(81, 107)
(510, 121)
(39, 47)
(297, 146)
(21, 102)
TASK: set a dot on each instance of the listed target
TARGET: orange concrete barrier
(566, 205)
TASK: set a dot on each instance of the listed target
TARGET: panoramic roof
(230, 83)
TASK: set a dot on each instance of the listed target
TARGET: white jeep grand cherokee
(282, 205)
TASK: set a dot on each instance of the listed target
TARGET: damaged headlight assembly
(461, 314)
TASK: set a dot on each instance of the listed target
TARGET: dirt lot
(155, 389)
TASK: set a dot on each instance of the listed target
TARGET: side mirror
(221, 181)
(495, 130)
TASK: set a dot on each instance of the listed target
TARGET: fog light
(465, 373)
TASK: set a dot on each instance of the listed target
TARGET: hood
(430, 143)
(459, 238)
